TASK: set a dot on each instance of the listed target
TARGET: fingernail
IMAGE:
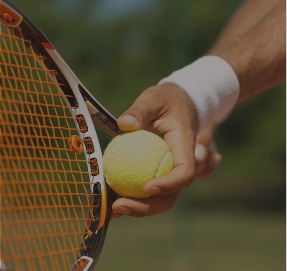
(123, 210)
(131, 120)
(200, 152)
(154, 190)
(218, 158)
(114, 216)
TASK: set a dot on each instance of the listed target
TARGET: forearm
(237, 70)
(258, 57)
(247, 16)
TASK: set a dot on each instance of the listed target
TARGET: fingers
(207, 161)
(168, 112)
(207, 157)
(200, 152)
(143, 111)
(178, 179)
(182, 173)
(144, 207)
(151, 109)
(115, 216)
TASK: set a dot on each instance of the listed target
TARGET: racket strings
(45, 190)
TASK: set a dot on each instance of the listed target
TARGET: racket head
(55, 204)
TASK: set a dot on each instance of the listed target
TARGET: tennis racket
(55, 204)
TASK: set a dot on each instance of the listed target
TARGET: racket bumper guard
(83, 264)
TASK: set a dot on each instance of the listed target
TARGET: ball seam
(160, 163)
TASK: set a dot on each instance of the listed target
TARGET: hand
(169, 112)
(207, 158)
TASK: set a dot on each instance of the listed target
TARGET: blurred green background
(233, 220)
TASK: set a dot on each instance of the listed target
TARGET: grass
(201, 240)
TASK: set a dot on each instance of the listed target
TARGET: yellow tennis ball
(132, 159)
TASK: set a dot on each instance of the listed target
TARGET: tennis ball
(134, 158)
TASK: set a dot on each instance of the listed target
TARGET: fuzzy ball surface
(132, 159)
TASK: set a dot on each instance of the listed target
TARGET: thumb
(129, 122)
(141, 113)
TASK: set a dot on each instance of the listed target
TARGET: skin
(253, 43)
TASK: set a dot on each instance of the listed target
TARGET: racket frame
(83, 104)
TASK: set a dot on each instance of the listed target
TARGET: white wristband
(212, 85)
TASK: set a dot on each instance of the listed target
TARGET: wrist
(212, 85)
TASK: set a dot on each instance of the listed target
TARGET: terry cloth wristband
(212, 85)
